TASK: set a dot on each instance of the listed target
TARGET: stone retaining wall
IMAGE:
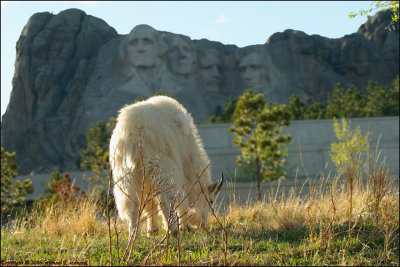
(312, 136)
(311, 141)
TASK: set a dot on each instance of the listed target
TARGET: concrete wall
(312, 136)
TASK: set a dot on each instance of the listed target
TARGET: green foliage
(396, 84)
(382, 100)
(376, 101)
(50, 192)
(12, 194)
(225, 114)
(141, 98)
(296, 108)
(160, 92)
(257, 127)
(347, 104)
(350, 145)
(378, 6)
(310, 110)
(95, 156)
(315, 110)
(96, 145)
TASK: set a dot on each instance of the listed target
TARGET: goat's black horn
(220, 182)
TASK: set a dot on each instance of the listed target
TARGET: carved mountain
(73, 69)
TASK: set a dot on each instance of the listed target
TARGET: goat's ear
(212, 188)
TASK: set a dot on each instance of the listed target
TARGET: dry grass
(64, 218)
(327, 203)
(322, 227)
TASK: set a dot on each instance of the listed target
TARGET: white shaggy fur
(159, 135)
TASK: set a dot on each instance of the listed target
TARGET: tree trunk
(258, 178)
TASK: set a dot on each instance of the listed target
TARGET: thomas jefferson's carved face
(181, 59)
(252, 70)
(142, 47)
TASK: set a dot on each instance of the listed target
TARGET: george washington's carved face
(141, 47)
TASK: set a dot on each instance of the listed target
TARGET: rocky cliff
(73, 69)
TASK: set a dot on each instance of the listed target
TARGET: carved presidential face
(142, 47)
(252, 70)
(210, 71)
(181, 58)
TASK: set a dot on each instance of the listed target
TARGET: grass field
(348, 219)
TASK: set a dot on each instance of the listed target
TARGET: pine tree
(296, 108)
(257, 127)
(12, 194)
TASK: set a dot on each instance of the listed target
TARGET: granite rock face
(51, 69)
(73, 70)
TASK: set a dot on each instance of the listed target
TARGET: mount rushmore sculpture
(73, 70)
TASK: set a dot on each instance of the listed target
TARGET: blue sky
(241, 23)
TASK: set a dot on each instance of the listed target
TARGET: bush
(59, 189)
(350, 145)
(12, 194)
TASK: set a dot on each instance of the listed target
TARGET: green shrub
(350, 145)
(12, 194)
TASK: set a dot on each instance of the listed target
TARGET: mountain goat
(153, 141)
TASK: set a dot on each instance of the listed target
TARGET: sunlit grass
(281, 230)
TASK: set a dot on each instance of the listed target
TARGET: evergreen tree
(296, 108)
(315, 111)
(96, 146)
(12, 194)
(225, 114)
(382, 100)
(345, 105)
(95, 156)
(257, 127)
(49, 192)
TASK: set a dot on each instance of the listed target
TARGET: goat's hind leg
(151, 213)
